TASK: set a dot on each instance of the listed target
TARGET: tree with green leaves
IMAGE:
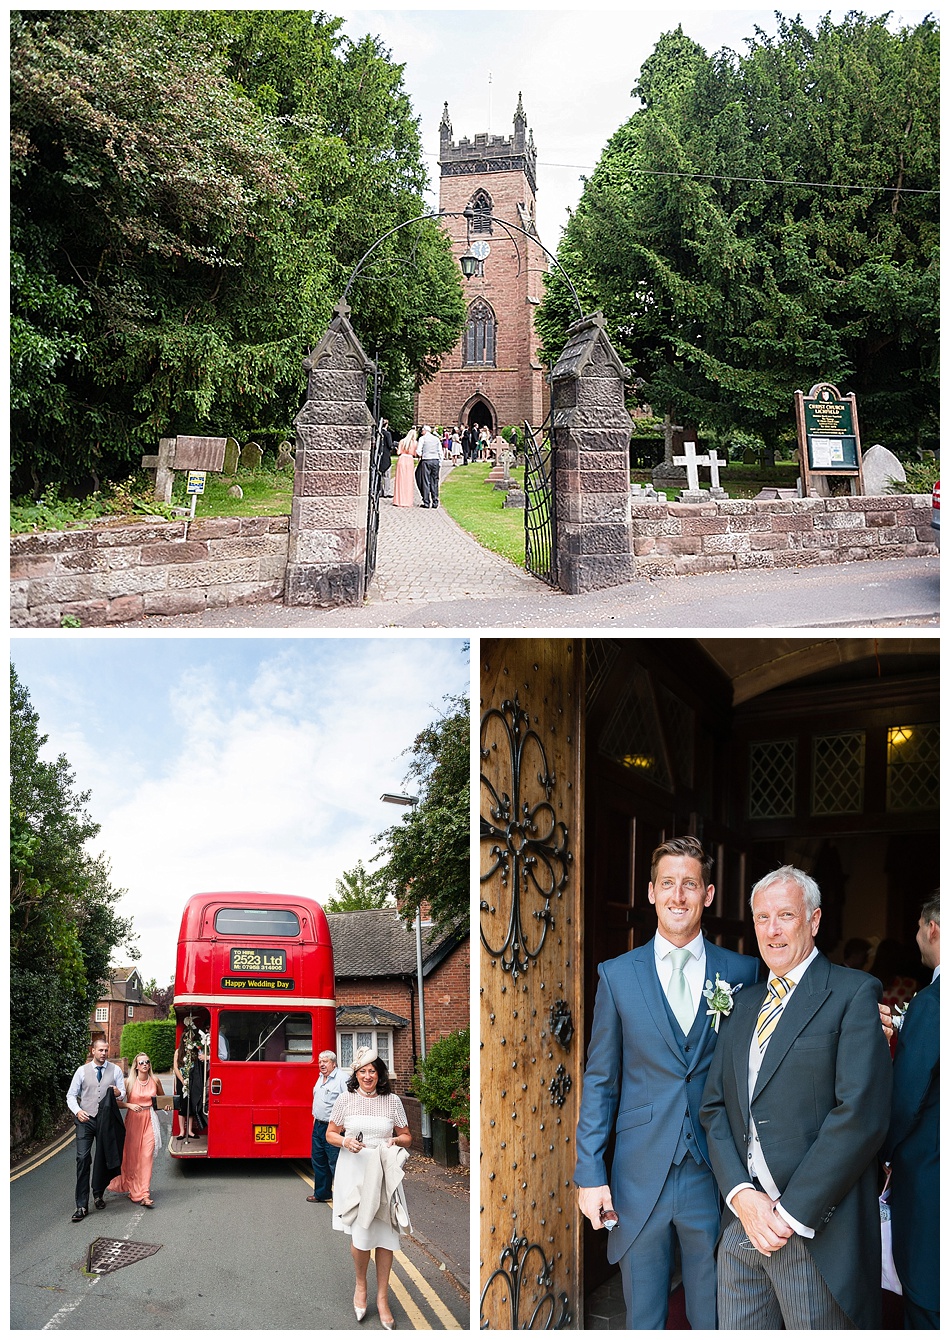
(767, 221)
(357, 891)
(190, 191)
(63, 922)
(426, 856)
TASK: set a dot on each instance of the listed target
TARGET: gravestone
(692, 493)
(669, 475)
(882, 469)
(251, 456)
(232, 454)
(183, 453)
(285, 456)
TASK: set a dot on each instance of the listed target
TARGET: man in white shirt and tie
(651, 1046)
(796, 1108)
(87, 1089)
(323, 1156)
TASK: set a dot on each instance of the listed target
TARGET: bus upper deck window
(256, 921)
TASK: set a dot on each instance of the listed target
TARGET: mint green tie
(681, 1002)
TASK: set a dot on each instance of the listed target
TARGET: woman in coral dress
(405, 479)
(141, 1133)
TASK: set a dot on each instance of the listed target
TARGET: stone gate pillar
(334, 437)
(591, 435)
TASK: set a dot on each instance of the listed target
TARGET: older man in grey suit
(796, 1108)
(650, 1050)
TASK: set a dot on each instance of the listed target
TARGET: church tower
(493, 375)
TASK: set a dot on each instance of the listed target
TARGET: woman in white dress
(368, 1115)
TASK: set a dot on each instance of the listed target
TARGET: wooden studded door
(531, 981)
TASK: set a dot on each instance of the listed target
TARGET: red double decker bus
(254, 1001)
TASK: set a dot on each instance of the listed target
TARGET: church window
(479, 347)
(481, 203)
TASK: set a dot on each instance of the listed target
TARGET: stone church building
(493, 376)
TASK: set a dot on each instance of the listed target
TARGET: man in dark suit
(912, 1146)
(796, 1108)
(650, 1050)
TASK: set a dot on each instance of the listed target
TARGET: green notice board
(829, 440)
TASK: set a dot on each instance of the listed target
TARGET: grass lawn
(266, 493)
(477, 507)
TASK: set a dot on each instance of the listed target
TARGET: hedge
(155, 1037)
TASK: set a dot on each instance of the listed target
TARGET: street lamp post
(408, 802)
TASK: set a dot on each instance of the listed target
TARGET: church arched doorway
(478, 413)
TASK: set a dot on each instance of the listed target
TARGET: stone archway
(478, 410)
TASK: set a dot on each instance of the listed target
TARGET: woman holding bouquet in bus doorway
(142, 1133)
(368, 1124)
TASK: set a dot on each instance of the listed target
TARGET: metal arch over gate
(540, 513)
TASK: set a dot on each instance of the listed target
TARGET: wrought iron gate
(375, 479)
(539, 508)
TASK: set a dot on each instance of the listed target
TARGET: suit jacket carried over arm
(821, 1107)
(643, 1078)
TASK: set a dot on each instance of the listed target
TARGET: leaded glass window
(480, 334)
(601, 656)
(837, 773)
(913, 762)
(680, 726)
(772, 779)
(632, 736)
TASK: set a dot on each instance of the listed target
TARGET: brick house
(122, 1001)
(374, 955)
(493, 376)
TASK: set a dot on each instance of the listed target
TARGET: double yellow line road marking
(411, 1287)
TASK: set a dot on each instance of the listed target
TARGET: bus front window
(265, 1035)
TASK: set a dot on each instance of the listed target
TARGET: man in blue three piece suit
(912, 1146)
(650, 1051)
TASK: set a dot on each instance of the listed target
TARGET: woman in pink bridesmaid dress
(404, 484)
(140, 1139)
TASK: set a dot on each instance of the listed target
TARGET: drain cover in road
(107, 1254)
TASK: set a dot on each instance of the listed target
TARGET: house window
(131, 1011)
(102, 1014)
(349, 1041)
(480, 335)
(481, 203)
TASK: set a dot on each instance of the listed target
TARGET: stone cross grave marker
(715, 464)
(692, 463)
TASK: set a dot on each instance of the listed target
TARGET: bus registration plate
(265, 1135)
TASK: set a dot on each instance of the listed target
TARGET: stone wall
(673, 539)
(111, 574)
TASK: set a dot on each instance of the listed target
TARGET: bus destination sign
(257, 984)
(258, 960)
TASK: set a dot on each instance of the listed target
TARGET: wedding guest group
(750, 1117)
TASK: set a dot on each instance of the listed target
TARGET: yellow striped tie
(771, 1009)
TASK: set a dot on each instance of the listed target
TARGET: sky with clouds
(574, 69)
(229, 763)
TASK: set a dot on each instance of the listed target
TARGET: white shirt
(757, 1165)
(694, 969)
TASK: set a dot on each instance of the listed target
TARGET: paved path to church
(423, 558)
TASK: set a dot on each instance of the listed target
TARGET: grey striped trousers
(769, 1293)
